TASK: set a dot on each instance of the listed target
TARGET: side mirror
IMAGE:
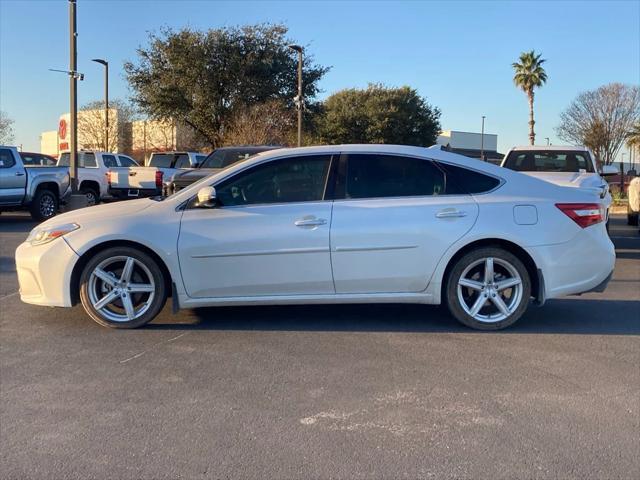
(207, 198)
(609, 170)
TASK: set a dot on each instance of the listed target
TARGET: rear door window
(460, 180)
(380, 176)
(126, 161)
(182, 161)
(109, 161)
(6, 158)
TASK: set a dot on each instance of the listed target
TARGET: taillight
(584, 214)
(108, 175)
(159, 174)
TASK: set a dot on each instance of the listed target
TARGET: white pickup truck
(566, 166)
(148, 181)
(92, 172)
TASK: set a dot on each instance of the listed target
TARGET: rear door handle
(310, 222)
(450, 213)
(19, 174)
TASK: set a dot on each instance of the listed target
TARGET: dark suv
(217, 160)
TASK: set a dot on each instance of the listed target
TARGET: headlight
(39, 236)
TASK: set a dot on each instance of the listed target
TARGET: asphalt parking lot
(360, 391)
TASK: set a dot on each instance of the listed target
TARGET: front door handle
(451, 213)
(310, 222)
(19, 174)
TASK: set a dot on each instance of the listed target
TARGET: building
(137, 138)
(471, 144)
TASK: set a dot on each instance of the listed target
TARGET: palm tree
(529, 74)
(633, 138)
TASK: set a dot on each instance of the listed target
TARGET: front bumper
(64, 198)
(44, 273)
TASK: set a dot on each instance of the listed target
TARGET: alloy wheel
(47, 206)
(121, 288)
(490, 289)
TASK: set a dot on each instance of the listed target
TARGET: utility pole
(73, 94)
(106, 101)
(482, 140)
(299, 99)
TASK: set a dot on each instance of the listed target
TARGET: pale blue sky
(457, 54)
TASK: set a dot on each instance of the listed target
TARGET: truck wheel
(44, 205)
(93, 197)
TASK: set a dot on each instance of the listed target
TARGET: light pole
(482, 140)
(106, 101)
(547, 139)
(73, 94)
(299, 100)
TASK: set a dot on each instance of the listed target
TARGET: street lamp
(547, 139)
(106, 100)
(482, 140)
(299, 100)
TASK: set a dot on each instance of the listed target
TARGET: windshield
(162, 160)
(549, 161)
(224, 158)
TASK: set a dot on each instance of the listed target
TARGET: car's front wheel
(44, 205)
(122, 287)
(488, 289)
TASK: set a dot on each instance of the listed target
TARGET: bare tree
(91, 126)
(601, 119)
(6, 129)
(269, 123)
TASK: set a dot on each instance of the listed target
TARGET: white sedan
(330, 224)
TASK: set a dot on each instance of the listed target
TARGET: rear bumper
(580, 265)
(132, 193)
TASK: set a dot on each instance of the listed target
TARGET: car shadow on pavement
(565, 316)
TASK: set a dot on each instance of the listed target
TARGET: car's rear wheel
(488, 289)
(122, 287)
(44, 205)
(93, 197)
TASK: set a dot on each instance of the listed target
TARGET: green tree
(529, 75)
(203, 78)
(6, 129)
(378, 114)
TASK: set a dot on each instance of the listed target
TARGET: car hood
(98, 213)
(569, 179)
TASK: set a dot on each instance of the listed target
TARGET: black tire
(632, 219)
(44, 205)
(501, 258)
(89, 288)
(93, 197)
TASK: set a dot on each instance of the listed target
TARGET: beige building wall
(49, 143)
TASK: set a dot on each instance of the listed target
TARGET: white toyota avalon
(330, 224)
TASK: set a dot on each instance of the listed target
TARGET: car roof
(571, 148)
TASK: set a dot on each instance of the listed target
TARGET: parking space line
(9, 295)
(138, 355)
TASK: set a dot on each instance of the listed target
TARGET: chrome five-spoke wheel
(122, 287)
(488, 288)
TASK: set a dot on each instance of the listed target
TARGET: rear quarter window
(462, 180)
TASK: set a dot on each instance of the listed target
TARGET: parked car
(217, 160)
(92, 172)
(148, 181)
(330, 224)
(633, 207)
(40, 190)
(31, 159)
(567, 166)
